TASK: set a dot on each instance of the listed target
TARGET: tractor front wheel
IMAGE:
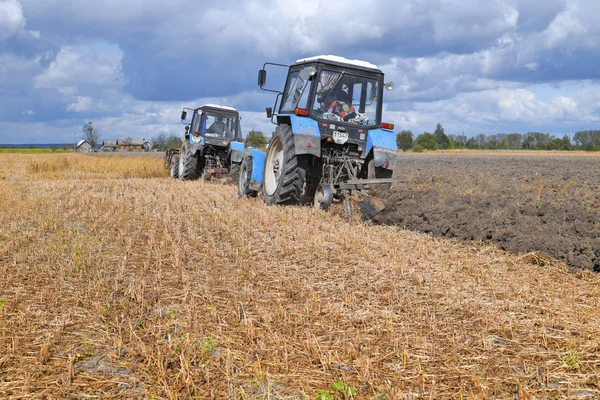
(244, 179)
(284, 171)
(174, 167)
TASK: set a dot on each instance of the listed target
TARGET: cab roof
(337, 60)
(225, 108)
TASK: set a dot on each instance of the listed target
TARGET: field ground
(117, 282)
(548, 202)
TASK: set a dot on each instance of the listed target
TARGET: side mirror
(183, 115)
(262, 77)
(269, 112)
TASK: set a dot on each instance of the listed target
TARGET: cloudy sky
(130, 66)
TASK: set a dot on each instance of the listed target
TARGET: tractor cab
(328, 91)
(213, 125)
(343, 96)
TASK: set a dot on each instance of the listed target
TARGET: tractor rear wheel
(284, 171)
(244, 179)
(174, 167)
(188, 164)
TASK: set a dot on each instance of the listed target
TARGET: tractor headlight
(196, 139)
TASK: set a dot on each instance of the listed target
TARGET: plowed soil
(523, 202)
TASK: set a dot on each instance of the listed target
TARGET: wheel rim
(242, 180)
(318, 200)
(273, 166)
(323, 197)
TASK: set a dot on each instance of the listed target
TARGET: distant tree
(491, 142)
(91, 134)
(457, 141)
(256, 139)
(559, 144)
(173, 141)
(53, 147)
(440, 137)
(404, 140)
(480, 141)
(536, 140)
(471, 143)
(514, 140)
(587, 140)
(162, 141)
(159, 141)
(427, 141)
(566, 143)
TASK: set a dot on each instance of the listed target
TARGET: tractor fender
(383, 145)
(307, 144)
(258, 167)
(307, 136)
(196, 148)
(237, 152)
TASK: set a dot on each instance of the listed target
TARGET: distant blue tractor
(329, 142)
(212, 145)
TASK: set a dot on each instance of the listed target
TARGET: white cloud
(84, 103)
(81, 69)
(567, 26)
(467, 64)
(12, 20)
(457, 22)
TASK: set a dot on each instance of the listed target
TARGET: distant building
(133, 144)
(109, 145)
(126, 144)
(83, 146)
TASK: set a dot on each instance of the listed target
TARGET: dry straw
(118, 282)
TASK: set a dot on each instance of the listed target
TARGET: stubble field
(118, 282)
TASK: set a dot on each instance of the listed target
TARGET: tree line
(438, 140)
(583, 140)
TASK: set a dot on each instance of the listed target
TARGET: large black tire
(234, 170)
(174, 167)
(188, 164)
(284, 171)
(244, 179)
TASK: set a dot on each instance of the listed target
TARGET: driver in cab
(339, 104)
(218, 127)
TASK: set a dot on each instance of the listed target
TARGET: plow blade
(370, 208)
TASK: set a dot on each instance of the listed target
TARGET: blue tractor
(213, 144)
(329, 142)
